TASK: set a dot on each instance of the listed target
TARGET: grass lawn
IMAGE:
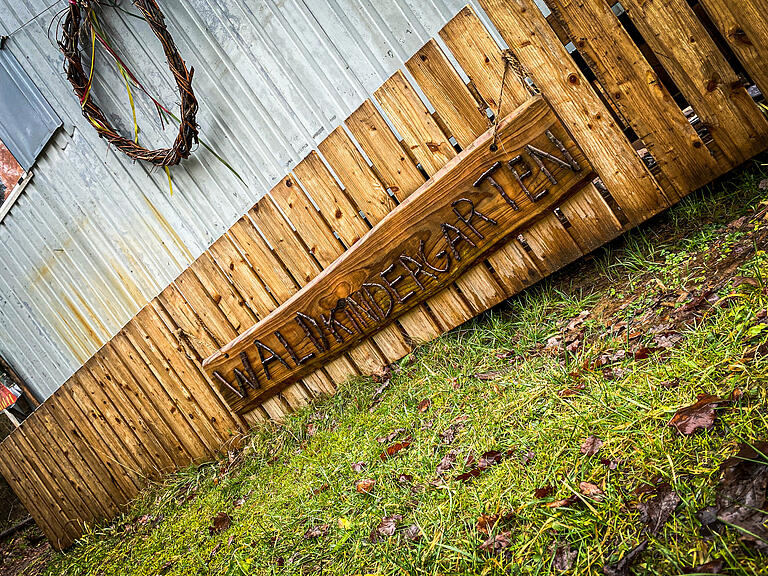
(492, 468)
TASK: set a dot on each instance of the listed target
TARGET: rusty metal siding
(95, 236)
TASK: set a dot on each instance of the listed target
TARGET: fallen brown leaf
(387, 438)
(322, 488)
(447, 463)
(645, 352)
(591, 445)
(386, 527)
(497, 543)
(610, 464)
(656, 511)
(566, 392)
(413, 533)
(405, 479)
(486, 523)
(741, 497)
(448, 435)
(711, 567)
(316, 531)
(358, 466)
(486, 376)
(622, 567)
(564, 557)
(591, 490)
(610, 358)
(365, 485)
(564, 503)
(543, 492)
(699, 415)
(394, 449)
(424, 405)
(221, 522)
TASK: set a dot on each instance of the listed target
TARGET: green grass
(284, 468)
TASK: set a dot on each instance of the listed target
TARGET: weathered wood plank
(703, 76)
(533, 41)
(433, 150)
(744, 25)
(438, 204)
(446, 91)
(639, 95)
(548, 229)
(35, 497)
(480, 58)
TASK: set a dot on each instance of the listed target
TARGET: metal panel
(20, 99)
(95, 236)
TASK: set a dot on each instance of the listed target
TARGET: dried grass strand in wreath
(69, 43)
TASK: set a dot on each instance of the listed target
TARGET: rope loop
(510, 61)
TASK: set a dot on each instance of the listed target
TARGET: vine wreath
(81, 81)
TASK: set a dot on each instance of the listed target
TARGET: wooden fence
(654, 98)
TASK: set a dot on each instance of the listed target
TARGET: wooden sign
(465, 211)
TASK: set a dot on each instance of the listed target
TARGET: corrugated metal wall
(95, 236)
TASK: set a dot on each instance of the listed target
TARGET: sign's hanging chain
(510, 61)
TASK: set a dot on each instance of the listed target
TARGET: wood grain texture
(482, 59)
(702, 74)
(533, 41)
(399, 233)
(744, 26)
(639, 95)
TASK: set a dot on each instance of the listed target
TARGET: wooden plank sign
(466, 210)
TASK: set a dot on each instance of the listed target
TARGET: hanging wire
(5, 37)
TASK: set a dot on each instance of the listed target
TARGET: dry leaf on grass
(711, 567)
(424, 405)
(221, 522)
(741, 497)
(656, 511)
(497, 543)
(386, 527)
(387, 438)
(447, 463)
(591, 490)
(622, 567)
(698, 415)
(486, 460)
(322, 488)
(413, 533)
(365, 485)
(591, 445)
(564, 503)
(316, 531)
(566, 392)
(394, 449)
(487, 522)
(358, 466)
(543, 492)
(448, 435)
(488, 376)
(564, 557)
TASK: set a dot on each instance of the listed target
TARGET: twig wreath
(69, 43)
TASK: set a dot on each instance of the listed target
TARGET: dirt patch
(27, 553)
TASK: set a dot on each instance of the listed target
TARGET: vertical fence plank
(33, 494)
(533, 41)
(744, 25)
(431, 149)
(704, 77)
(637, 92)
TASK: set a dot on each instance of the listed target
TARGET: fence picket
(704, 77)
